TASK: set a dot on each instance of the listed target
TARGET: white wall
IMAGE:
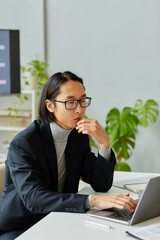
(115, 46)
(28, 17)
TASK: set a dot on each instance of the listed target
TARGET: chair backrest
(2, 174)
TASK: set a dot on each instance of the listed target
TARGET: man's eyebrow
(74, 97)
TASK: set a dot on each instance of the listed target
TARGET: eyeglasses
(72, 104)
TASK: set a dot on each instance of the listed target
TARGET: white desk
(62, 226)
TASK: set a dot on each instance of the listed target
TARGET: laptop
(148, 207)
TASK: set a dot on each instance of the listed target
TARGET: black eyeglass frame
(77, 101)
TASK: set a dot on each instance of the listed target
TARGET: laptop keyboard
(123, 215)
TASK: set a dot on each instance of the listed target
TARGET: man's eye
(71, 102)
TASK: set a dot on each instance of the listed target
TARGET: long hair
(51, 89)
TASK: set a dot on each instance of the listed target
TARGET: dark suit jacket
(31, 179)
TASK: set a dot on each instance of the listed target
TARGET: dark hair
(51, 89)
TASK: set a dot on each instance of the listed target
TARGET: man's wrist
(105, 153)
(104, 146)
(93, 201)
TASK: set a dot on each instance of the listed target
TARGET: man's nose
(78, 108)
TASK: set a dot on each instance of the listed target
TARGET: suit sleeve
(97, 171)
(26, 178)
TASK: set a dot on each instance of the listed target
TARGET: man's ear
(49, 105)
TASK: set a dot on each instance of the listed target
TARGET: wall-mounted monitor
(9, 62)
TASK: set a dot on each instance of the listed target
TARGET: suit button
(74, 209)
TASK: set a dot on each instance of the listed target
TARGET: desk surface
(71, 225)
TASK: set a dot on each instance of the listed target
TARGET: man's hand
(94, 129)
(118, 201)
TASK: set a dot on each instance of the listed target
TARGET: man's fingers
(84, 125)
(84, 120)
(84, 128)
(125, 201)
(119, 201)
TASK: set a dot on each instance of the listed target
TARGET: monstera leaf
(146, 112)
(119, 124)
(121, 128)
(124, 145)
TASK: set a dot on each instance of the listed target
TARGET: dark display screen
(9, 62)
(4, 62)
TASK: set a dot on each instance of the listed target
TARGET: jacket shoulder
(32, 131)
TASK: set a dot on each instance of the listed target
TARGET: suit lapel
(50, 151)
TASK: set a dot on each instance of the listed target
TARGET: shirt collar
(59, 134)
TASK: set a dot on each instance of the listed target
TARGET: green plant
(14, 112)
(121, 127)
(38, 69)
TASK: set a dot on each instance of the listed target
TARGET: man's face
(67, 119)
